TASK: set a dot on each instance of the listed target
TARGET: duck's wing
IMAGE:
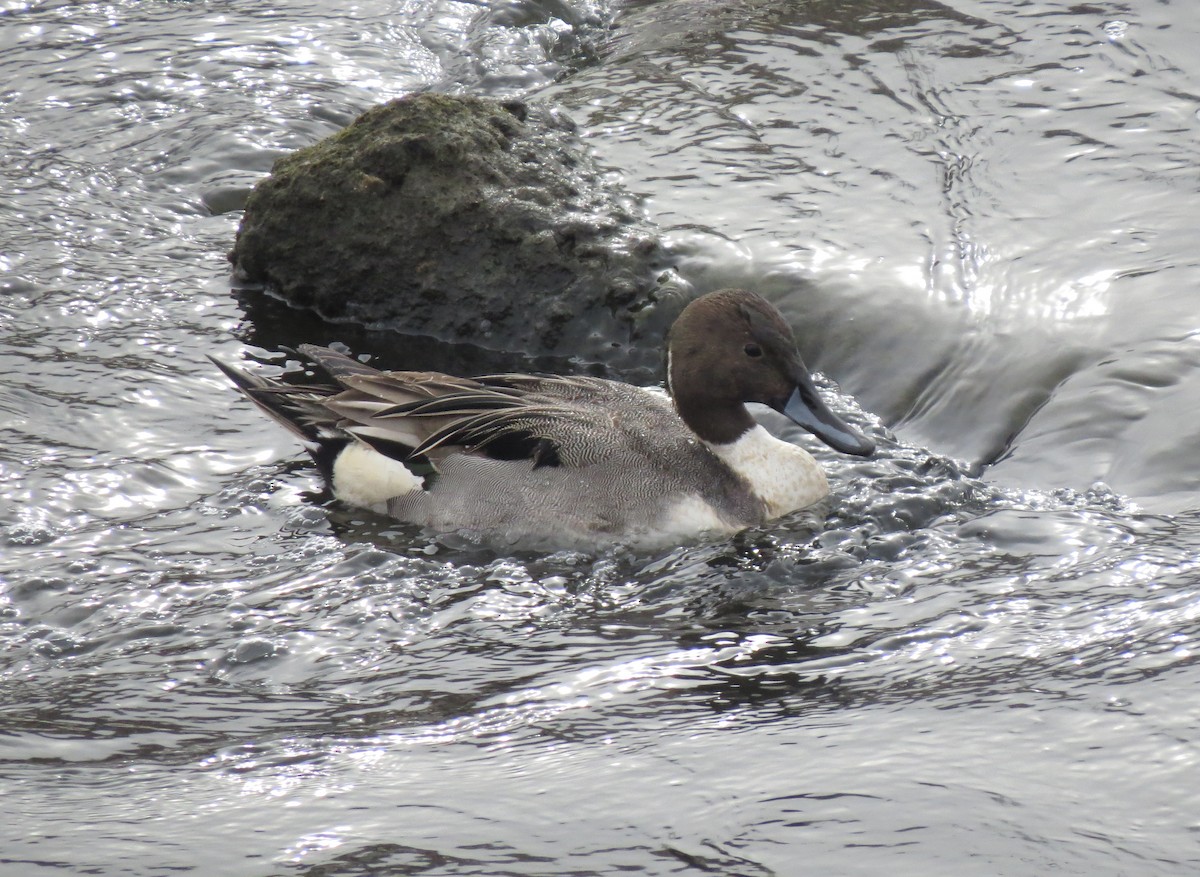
(571, 421)
(550, 420)
(435, 415)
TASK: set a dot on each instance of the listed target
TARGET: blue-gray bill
(806, 409)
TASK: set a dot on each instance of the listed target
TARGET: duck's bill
(806, 409)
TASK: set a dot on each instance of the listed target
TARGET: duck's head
(733, 346)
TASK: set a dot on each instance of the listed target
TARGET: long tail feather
(300, 412)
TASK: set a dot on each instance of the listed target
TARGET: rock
(460, 218)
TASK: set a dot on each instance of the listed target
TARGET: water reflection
(996, 190)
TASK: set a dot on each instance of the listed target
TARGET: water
(980, 660)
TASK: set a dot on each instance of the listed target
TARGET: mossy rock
(461, 218)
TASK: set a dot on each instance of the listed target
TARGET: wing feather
(551, 420)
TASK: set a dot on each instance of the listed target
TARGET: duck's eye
(753, 349)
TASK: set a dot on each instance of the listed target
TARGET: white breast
(783, 475)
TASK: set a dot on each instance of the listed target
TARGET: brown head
(733, 346)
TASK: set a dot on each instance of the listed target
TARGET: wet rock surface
(464, 219)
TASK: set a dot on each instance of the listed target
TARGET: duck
(574, 461)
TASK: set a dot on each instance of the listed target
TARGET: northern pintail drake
(575, 461)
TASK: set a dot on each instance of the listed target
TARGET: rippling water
(981, 658)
